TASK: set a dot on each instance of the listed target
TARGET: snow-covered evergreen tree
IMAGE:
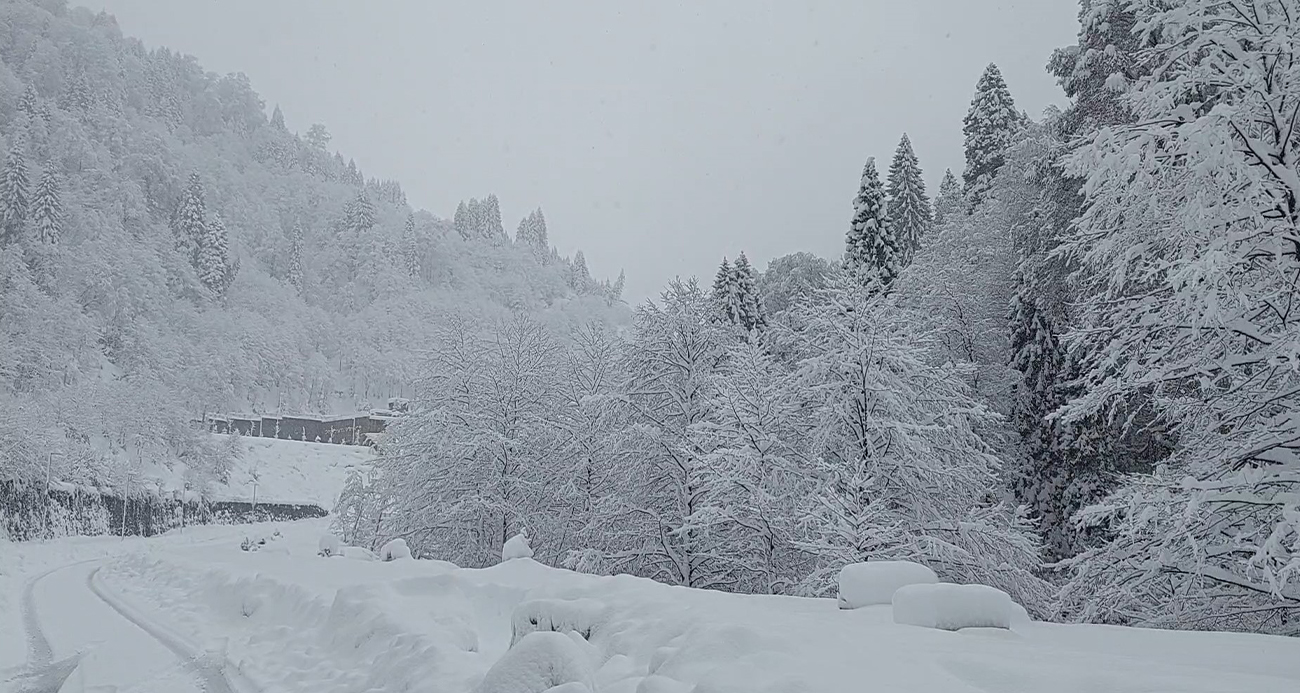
(1186, 266)
(907, 202)
(871, 250)
(212, 256)
(579, 275)
(905, 473)
(410, 247)
(989, 128)
(277, 119)
(295, 272)
(14, 195)
(948, 203)
(748, 307)
(491, 228)
(461, 221)
(359, 216)
(47, 208)
(189, 223)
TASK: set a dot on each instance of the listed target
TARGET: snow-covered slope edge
(295, 620)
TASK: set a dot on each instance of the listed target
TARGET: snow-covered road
(67, 611)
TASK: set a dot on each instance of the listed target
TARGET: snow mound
(516, 547)
(359, 553)
(539, 662)
(874, 582)
(952, 607)
(394, 550)
(581, 616)
(329, 545)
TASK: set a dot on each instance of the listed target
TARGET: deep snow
(290, 620)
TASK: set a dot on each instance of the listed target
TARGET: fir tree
(295, 258)
(29, 105)
(989, 128)
(543, 241)
(13, 195)
(190, 221)
(947, 204)
(579, 276)
(908, 205)
(872, 252)
(359, 217)
(748, 308)
(47, 209)
(213, 257)
(616, 291)
(462, 221)
(491, 220)
(724, 292)
(410, 247)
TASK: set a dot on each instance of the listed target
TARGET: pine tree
(461, 222)
(277, 119)
(579, 276)
(213, 256)
(491, 220)
(543, 240)
(616, 291)
(47, 209)
(359, 217)
(872, 252)
(190, 220)
(410, 247)
(947, 204)
(989, 128)
(13, 195)
(29, 105)
(908, 205)
(724, 292)
(749, 311)
(295, 258)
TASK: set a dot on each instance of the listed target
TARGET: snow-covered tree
(791, 279)
(871, 250)
(212, 256)
(675, 349)
(47, 208)
(1187, 269)
(461, 221)
(359, 215)
(948, 203)
(907, 202)
(296, 242)
(189, 222)
(467, 471)
(990, 128)
(757, 469)
(491, 227)
(277, 119)
(410, 247)
(579, 276)
(13, 195)
(748, 307)
(903, 472)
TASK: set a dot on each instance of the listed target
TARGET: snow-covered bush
(951, 607)
(581, 616)
(874, 582)
(516, 547)
(394, 550)
(538, 663)
(329, 545)
(359, 553)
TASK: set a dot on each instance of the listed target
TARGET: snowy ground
(291, 471)
(284, 619)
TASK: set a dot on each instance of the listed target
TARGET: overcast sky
(657, 136)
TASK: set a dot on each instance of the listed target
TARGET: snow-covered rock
(952, 607)
(581, 616)
(516, 547)
(395, 549)
(874, 582)
(537, 663)
(329, 545)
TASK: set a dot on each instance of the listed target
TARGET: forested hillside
(170, 248)
(1072, 376)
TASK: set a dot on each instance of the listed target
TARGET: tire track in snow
(216, 675)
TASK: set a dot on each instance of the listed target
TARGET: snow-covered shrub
(329, 545)
(581, 616)
(951, 607)
(516, 547)
(395, 549)
(874, 582)
(538, 663)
